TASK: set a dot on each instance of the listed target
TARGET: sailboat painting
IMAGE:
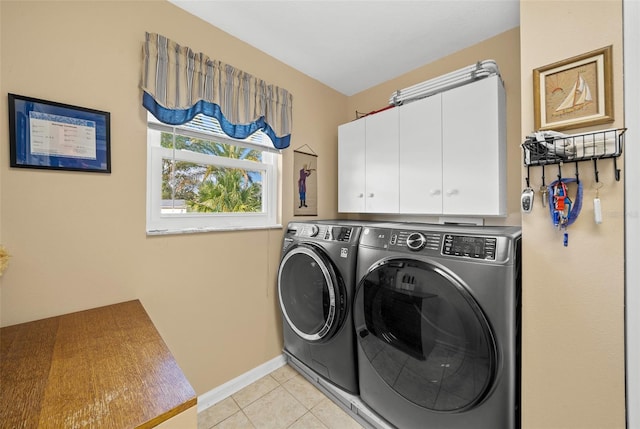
(579, 98)
(575, 92)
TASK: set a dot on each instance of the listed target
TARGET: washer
(437, 320)
(316, 286)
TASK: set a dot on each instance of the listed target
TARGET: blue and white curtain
(178, 84)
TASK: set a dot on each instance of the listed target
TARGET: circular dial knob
(416, 241)
(314, 231)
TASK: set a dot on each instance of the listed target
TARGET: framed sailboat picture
(574, 93)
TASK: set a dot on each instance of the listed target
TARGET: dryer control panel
(471, 247)
(491, 244)
(435, 243)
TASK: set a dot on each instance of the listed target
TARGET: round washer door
(423, 333)
(312, 295)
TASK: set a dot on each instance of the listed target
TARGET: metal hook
(527, 179)
(577, 174)
(595, 169)
(616, 170)
(543, 184)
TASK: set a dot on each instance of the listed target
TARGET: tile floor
(280, 400)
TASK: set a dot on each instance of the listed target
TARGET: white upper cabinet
(441, 155)
(474, 149)
(351, 172)
(368, 164)
(421, 156)
(381, 162)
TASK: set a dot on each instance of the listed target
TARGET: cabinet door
(421, 156)
(473, 150)
(381, 160)
(351, 168)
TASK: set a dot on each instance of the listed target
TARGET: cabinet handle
(451, 192)
(371, 195)
(360, 195)
(434, 192)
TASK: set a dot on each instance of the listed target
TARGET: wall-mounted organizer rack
(550, 147)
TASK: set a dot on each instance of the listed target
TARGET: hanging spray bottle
(597, 208)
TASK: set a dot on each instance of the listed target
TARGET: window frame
(158, 223)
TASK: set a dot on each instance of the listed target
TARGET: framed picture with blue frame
(49, 135)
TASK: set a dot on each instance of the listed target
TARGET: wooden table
(102, 368)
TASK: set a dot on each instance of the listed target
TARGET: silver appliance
(316, 286)
(437, 321)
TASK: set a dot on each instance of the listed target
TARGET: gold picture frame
(574, 93)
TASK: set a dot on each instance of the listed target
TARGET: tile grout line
(286, 377)
(281, 384)
(259, 397)
(305, 414)
(248, 418)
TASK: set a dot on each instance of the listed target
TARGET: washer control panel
(322, 232)
(470, 247)
(415, 240)
(340, 233)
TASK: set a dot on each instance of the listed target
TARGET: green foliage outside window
(210, 188)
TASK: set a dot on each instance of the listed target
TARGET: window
(200, 179)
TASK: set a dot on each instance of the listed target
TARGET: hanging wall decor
(49, 135)
(305, 178)
(574, 93)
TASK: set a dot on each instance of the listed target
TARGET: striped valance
(178, 84)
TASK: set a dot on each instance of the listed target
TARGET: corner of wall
(3, 117)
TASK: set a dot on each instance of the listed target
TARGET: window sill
(155, 232)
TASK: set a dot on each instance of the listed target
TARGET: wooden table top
(106, 367)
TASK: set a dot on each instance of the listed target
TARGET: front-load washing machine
(437, 320)
(316, 285)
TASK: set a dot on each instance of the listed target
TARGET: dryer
(437, 321)
(316, 286)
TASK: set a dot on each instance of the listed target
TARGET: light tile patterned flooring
(280, 400)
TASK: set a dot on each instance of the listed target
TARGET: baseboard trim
(219, 393)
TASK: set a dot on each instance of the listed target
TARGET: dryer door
(423, 333)
(312, 295)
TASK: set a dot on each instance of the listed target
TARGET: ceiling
(353, 45)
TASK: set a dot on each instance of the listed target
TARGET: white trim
(162, 223)
(198, 230)
(227, 389)
(631, 17)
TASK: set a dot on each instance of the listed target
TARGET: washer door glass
(311, 294)
(425, 335)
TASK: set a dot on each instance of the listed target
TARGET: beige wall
(573, 314)
(1, 160)
(78, 240)
(504, 49)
